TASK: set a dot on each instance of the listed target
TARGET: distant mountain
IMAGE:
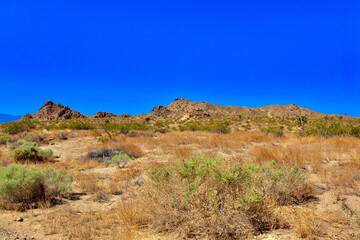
(8, 118)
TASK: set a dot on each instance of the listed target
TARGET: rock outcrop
(52, 111)
(104, 115)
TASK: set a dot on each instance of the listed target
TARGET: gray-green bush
(29, 151)
(121, 159)
(18, 126)
(21, 187)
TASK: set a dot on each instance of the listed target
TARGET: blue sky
(128, 56)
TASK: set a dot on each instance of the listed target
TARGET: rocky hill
(52, 111)
(183, 109)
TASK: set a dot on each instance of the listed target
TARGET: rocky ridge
(181, 109)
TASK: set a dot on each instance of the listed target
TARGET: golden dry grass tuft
(121, 180)
(307, 225)
(182, 152)
(78, 165)
(302, 156)
(131, 149)
(4, 158)
(71, 224)
(87, 182)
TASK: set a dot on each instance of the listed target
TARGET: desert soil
(334, 209)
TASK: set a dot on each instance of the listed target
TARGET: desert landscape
(194, 120)
(189, 170)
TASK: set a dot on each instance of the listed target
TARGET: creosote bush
(20, 187)
(211, 126)
(206, 197)
(277, 131)
(76, 125)
(331, 126)
(29, 151)
(37, 137)
(4, 138)
(18, 126)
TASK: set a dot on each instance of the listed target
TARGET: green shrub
(61, 135)
(18, 127)
(355, 132)
(120, 159)
(29, 151)
(301, 121)
(133, 126)
(220, 127)
(277, 131)
(37, 137)
(210, 126)
(330, 126)
(206, 197)
(76, 125)
(4, 138)
(21, 187)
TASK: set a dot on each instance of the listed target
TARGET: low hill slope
(185, 109)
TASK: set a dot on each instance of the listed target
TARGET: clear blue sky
(128, 56)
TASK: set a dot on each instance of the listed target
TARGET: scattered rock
(27, 116)
(19, 219)
(101, 197)
(104, 154)
(124, 116)
(104, 115)
(137, 181)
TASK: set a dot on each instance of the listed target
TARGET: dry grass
(130, 145)
(345, 175)
(76, 165)
(333, 163)
(131, 149)
(121, 180)
(204, 197)
(295, 154)
(4, 158)
(307, 225)
(73, 225)
(183, 152)
(87, 182)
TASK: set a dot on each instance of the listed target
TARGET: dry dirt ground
(100, 188)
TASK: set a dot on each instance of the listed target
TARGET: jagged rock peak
(52, 111)
(48, 103)
(293, 106)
